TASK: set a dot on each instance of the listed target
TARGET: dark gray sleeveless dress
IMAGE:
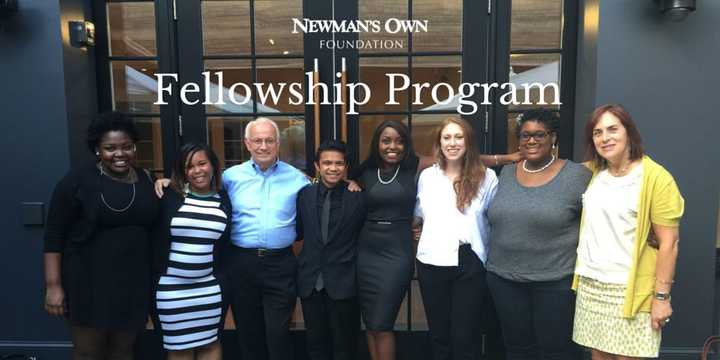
(385, 259)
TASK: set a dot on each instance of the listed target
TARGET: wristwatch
(662, 296)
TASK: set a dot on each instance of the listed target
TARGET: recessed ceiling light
(272, 42)
(285, 52)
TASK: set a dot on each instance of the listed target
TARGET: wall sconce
(8, 8)
(676, 10)
(82, 33)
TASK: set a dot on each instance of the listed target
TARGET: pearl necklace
(552, 160)
(391, 179)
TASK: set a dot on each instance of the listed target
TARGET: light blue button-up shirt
(263, 202)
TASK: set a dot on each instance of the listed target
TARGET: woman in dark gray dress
(385, 259)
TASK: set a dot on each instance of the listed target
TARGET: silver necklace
(391, 179)
(552, 160)
(102, 197)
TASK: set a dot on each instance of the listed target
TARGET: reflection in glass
(134, 86)
(233, 71)
(536, 24)
(368, 123)
(226, 137)
(382, 10)
(373, 72)
(423, 129)
(444, 25)
(274, 27)
(131, 27)
(226, 27)
(434, 70)
(276, 71)
(149, 144)
(535, 68)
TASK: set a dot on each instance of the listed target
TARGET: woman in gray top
(534, 222)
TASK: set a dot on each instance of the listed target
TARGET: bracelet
(496, 160)
(664, 282)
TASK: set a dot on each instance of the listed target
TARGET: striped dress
(188, 296)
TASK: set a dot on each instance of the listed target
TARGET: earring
(97, 153)
(554, 146)
(186, 188)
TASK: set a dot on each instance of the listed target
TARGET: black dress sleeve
(62, 212)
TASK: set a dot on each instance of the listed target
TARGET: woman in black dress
(97, 245)
(385, 258)
(193, 228)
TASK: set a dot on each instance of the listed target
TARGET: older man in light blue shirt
(261, 267)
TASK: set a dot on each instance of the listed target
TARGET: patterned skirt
(599, 323)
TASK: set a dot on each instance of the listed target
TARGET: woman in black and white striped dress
(195, 225)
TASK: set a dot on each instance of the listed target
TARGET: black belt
(388, 222)
(263, 252)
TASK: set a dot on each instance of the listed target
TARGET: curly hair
(106, 122)
(547, 118)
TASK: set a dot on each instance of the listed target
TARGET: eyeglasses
(259, 142)
(538, 136)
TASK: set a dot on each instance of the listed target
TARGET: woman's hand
(55, 300)
(353, 186)
(417, 229)
(160, 185)
(660, 313)
(513, 158)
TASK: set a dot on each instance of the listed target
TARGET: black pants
(332, 326)
(536, 317)
(453, 302)
(262, 295)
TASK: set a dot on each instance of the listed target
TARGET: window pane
(276, 71)
(419, 320)
(226, 136)
(134, 86)
(149, 144)
(423, 128)
(435, 70)
(373, 72)
(535, 68)
(382, 10)
(444, 25)
(226, 27)
(368, 123)
(233, 71)
(536, 24)
(274, 25)
(131, 27)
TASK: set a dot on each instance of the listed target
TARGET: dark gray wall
(47, 92)
(665, 73)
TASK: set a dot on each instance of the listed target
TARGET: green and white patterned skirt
(599, 323)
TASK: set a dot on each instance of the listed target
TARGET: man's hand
(660, 313)
(353, 186)
(160, 185)
(55, 300)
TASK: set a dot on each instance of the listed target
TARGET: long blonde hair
(472, 175)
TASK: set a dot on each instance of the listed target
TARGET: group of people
(116, 249)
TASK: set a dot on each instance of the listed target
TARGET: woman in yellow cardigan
(628, 243)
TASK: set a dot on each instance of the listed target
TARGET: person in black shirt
(329, 218)
(97, 244)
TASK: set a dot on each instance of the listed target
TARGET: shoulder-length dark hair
(472, 174)
(374, 161)
(634, 139)
(187, 151)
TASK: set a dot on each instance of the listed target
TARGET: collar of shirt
(259, 170)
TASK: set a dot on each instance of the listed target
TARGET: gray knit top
(534, 230)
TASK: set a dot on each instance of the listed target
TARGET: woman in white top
(452, 201)
(623, 273)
